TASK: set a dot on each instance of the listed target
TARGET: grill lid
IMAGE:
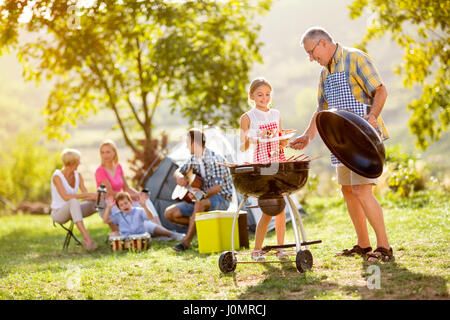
(352, 140)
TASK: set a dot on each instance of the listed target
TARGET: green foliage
(421, 29)
(26, 168)
(134, 57)
(310, 188)
(404, 176)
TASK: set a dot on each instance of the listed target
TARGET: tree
(421, 28)
(134, 57)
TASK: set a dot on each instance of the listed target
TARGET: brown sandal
(384, 255)
(355, 250)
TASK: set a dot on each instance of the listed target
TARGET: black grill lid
(352, 140)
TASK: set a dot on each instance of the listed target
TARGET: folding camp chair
(69, 234)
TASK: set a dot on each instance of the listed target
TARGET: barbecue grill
(271, 183)
(348, 136)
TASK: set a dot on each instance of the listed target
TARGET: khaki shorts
(347, 177)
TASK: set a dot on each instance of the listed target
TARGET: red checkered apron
(268, 152)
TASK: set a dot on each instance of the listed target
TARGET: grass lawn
(33, 266)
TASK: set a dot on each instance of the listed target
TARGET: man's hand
(372, 120)
(182, 181)
(300, 142)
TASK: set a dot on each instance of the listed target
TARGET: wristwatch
(200, 195)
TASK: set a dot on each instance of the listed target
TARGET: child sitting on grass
(135, 220)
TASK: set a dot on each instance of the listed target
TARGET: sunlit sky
(28, 12)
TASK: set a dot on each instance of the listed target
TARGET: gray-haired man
(349, 80)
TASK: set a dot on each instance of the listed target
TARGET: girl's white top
(258, 118)
(57, 200)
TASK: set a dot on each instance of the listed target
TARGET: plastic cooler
(214, 231)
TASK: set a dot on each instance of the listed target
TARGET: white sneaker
(177, 236)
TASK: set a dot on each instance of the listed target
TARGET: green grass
(33, 266)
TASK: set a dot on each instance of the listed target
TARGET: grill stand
(293, 209)
(234, 224)
(304, 260)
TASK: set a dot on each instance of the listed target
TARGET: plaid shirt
(215, 174)
(363, 75)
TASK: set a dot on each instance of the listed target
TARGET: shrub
(405, 172)
(25, 169)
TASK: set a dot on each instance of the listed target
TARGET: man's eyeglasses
(310, 53)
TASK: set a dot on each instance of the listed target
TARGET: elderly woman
(66, 205)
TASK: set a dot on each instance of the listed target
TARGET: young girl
(264, 122)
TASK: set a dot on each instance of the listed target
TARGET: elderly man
(349, 80)
(215, 194)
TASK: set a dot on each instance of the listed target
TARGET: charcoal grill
(271, 183)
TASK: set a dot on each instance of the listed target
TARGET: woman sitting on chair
(65, 184)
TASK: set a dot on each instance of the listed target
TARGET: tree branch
(132, 107)
(144, 93)
(114, 107)
(156, 102)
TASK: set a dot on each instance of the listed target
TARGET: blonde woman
(65, 184)
(110, 174)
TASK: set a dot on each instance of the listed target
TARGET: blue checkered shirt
(215, 174)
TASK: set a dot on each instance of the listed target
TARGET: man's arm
(215, 189)
(379, 99)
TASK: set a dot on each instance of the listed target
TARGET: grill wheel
(226, 262)
(304, 260)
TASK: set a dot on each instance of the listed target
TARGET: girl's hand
(284, 142)
(253, 140)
